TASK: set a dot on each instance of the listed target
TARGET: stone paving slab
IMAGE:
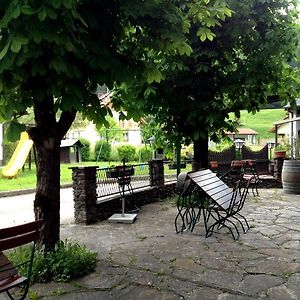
(148, 259)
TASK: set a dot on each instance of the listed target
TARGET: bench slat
(12, 282)
(16, 241)
(19, 229)
(6, 268)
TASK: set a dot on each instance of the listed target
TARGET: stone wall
(88, 211)
(138, 199)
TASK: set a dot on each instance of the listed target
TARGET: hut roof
(70, 143)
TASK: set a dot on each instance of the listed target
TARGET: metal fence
(109, 179)
(170, 170)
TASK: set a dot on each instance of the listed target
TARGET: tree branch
(65, 121)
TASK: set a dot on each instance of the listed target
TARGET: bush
(67, 262)
(85, 151)
(127, 152)
(146, 154)
(114, 155)
(8, 151)
(102, 151)
(222, 146)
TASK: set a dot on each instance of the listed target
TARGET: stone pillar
(278, 164)
(156, 170)
(85, 194)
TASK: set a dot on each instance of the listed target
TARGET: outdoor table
(204, 193)
(190, 203)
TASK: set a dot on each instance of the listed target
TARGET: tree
(244, 64)
(111, 133)
(55, 52)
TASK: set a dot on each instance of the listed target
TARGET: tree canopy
(245, 63)
(55, 52)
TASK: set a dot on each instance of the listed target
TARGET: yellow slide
(19, 157)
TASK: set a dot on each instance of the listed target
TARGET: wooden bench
(10, 238)
(207, 194)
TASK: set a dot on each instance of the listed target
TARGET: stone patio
(148, 259)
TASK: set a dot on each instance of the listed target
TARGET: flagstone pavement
(148, 259)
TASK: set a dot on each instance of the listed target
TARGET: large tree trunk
(47, 198)
(46, 136)
(200, 153)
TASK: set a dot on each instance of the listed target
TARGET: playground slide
(19, 157)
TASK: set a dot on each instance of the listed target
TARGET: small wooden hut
(70, 151)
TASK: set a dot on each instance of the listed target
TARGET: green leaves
(42, 14)
(17, 43)
(14, 130)
(56, 3)
(67, 3)
(154, 75)
(5, 49)
(205, 33)
(27, 10)
(46, 11)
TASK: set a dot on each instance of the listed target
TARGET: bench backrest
(15, 236)
(215, 188)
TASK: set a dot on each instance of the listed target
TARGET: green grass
(27, 179)
(262, 121)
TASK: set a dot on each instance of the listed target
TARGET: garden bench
(11, 238)
(205, 193)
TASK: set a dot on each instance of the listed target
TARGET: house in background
(288, 130)
(89, 133)
(246, 134)
(128, 128)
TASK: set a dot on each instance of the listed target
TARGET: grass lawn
(27, 179)
(262, 121)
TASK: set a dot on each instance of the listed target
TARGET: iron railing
(170, 170)
(110, 180)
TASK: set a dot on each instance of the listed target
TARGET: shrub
(8, 151)
(146, 154)
(114, 155)
(85, 151)
(222, 146)
(127, 152)
(68, 261)
(102, 151)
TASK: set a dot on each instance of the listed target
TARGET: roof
(284, 121)
(288, 106)
(70, 142)
(243, 131)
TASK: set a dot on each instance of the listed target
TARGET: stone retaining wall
(139, 198)
(88, 210)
